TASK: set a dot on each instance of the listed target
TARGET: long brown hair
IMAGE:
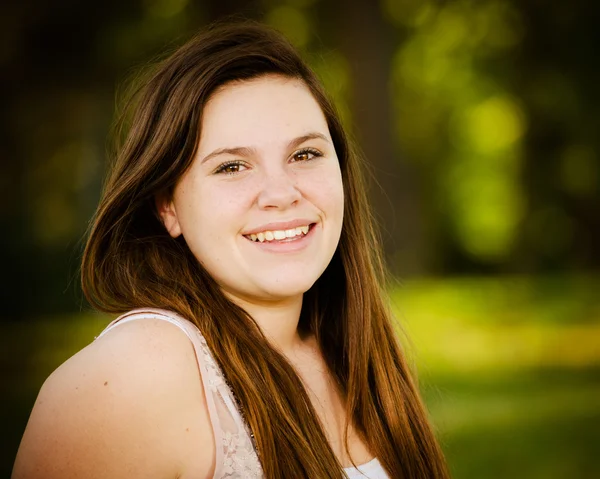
(130, 261)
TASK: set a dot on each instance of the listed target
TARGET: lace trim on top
(236, 457)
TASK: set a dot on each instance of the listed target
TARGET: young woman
(235, 213)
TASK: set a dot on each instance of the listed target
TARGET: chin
(283, 288)
(284, 291)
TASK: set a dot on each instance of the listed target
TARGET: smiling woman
(285, 176)
(234, 240)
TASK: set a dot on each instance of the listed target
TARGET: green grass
(509, 369)
(475, 324)
(536, 424)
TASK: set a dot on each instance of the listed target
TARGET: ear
(168, 214)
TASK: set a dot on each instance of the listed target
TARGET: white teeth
(279, 234)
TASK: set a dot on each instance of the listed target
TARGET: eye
(230, 168)
(306, 154)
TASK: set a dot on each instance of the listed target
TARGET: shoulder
(130, 404)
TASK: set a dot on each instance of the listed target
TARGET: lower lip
(289, 245)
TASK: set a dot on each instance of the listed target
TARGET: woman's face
(261, 206)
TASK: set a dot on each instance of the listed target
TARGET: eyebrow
(248, 151)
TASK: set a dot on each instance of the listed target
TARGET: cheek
(327, 189)
(215, 208)
(201, 218)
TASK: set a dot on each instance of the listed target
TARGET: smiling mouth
(275, 236)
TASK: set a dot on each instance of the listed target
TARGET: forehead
(266, 109)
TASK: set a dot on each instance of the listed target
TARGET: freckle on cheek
(105, 383)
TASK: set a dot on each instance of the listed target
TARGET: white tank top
(236, 456)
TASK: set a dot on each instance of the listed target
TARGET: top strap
(210, 373)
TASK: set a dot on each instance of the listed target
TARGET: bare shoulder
(130, 404)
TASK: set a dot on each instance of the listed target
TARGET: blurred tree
(365, 38)
(558, 80)
(51, 110)
(492, 110)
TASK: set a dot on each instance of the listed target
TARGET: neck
(278, 320)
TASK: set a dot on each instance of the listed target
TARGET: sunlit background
(480, 120)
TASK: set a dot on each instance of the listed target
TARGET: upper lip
(280, 225)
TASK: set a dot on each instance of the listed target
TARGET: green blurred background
(481, 122)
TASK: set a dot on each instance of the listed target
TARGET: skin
(131, 404)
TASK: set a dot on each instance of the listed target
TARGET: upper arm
(122, 407)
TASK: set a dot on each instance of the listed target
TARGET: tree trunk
(368, 43)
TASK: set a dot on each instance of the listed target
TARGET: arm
(129, 405)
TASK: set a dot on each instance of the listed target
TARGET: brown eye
(306, 154)
(302, 156)
(230, 168)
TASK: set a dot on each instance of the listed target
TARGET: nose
(279, 190)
